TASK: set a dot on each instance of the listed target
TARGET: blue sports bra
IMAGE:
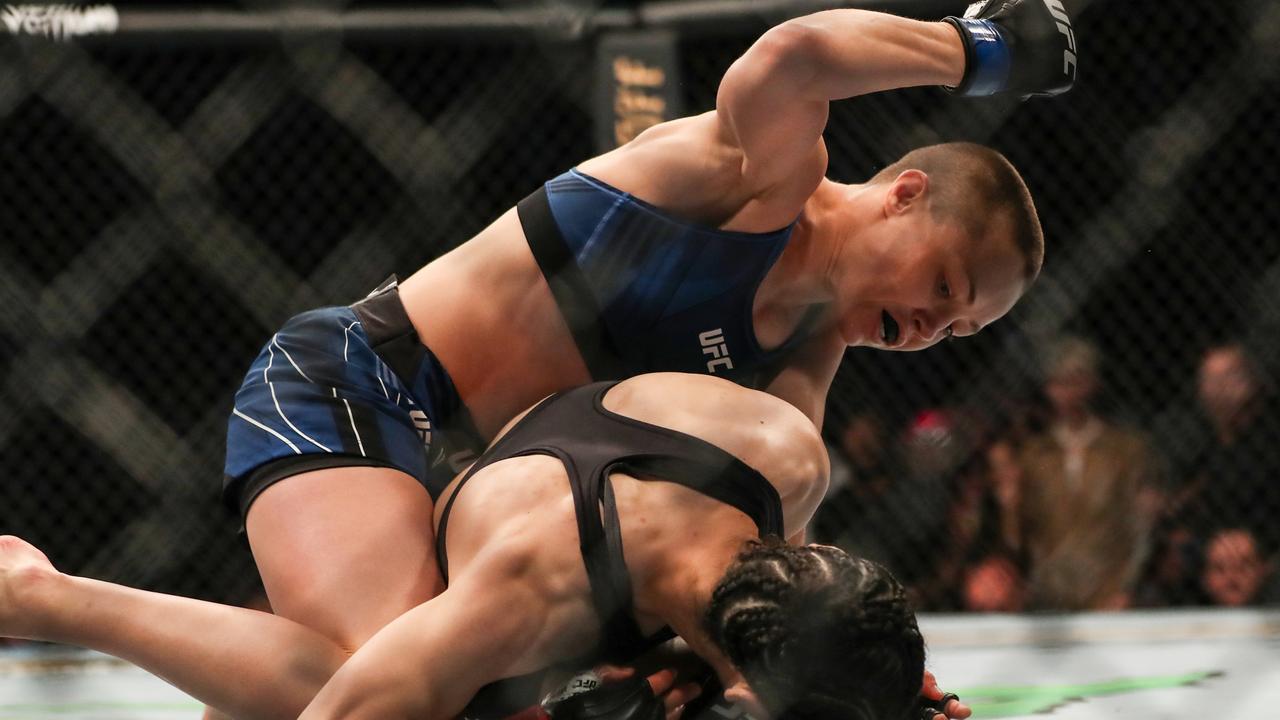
(643, 291)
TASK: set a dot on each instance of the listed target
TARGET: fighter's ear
(906, 190)
(741, 694)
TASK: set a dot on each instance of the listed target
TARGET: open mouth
(888, 328)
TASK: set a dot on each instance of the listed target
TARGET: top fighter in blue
(712, 244)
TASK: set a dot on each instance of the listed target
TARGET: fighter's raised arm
(772, 102)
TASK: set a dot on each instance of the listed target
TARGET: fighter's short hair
(973, 184)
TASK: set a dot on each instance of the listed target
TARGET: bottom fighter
(599, 523)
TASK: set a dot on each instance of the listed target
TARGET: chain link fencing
(165, 205)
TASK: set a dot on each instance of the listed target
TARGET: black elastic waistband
(569, 287)
(392, 336)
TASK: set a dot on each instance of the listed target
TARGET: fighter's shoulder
(699, 148)
(789, 435)
(786, 184)
(675, 158)
(777, 427)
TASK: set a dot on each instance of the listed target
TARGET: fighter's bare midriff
(487, 313)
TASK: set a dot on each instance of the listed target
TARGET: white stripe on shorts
(257, 424)
(293, 427)
(352, 418)
(271, 358)
(346, 338)
(290, 358)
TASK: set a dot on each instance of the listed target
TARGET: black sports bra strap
(497, 451)
(591, 537)
(614, 600)
(728, 480)
(569, 287)
(698, 465)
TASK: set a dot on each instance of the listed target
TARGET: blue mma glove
(1025, 47)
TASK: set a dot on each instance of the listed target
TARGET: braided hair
(818, 634)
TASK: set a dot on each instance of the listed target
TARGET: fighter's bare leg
(251, 664)
(348, 549)
(345, 550)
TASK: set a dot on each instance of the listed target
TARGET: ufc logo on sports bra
(712, 342)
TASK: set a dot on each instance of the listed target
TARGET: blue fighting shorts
(346, 386)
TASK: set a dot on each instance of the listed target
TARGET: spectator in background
(986, 533)
(1226, 473)
(1083, 511)
(854, 514)
(1234, 481)
(1235, 573)
(994, 584)
(1005, 481)
(893, 504)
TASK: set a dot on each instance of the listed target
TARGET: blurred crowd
(1058, 504)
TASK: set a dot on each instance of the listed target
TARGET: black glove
(929, 709)
(629, 699)
(1025, 47)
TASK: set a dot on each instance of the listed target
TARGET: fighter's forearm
(359, 691)
(246, 663)
(842, 53)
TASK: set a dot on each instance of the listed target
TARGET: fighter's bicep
(763, 112)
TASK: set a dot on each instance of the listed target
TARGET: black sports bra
(592, 442)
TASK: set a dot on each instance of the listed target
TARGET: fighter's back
(519, 511)
(767, 434)
(764, 432)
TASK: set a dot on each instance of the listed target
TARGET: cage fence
(175, 184)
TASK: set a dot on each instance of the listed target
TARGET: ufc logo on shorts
(422, 425)
(1059, 14)
(712, 342)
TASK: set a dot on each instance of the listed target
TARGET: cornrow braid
(818, 634)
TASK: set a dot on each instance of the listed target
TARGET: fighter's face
(927, 281)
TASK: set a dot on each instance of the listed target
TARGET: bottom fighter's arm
(430, 662)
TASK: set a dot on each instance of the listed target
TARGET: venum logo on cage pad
(59, 22)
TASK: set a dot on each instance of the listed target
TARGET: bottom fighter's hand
(629, 699)
(615, 693)
(937, 705)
